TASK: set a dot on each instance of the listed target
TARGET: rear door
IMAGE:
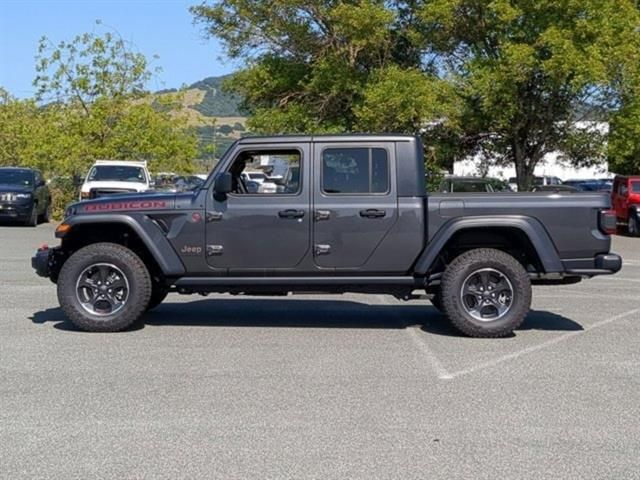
(354, 202)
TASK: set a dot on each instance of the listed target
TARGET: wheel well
(507, 239)
(87, 234)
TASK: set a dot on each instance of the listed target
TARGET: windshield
(117, 173)
(23, 178)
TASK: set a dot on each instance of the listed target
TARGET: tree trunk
(524, 170)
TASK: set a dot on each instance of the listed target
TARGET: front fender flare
(531, 227)
(150, 234)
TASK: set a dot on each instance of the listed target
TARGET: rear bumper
(603, 264)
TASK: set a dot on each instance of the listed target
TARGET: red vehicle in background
(625, 198)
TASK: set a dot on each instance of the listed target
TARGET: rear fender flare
(150, 234)
(531, 227)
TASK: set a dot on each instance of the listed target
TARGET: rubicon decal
(125, 205)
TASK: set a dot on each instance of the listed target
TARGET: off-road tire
(32, 220)
(158, 294)
(633, 226)
(46, 215)
(471, 261)
(137, 275)
(436, 301)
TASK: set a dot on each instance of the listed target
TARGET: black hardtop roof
(350, 137)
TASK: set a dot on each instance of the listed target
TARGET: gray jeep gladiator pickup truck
(341, 214)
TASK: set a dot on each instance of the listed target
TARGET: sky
(155, 27)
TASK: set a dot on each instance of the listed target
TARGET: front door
(264, 225)
(354, 202)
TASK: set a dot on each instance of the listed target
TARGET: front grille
(7, 197)
(105, 192)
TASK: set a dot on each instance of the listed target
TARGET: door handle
(322, 215)
(291, 213)
(213, 216)
(372, 213)
(321, 249)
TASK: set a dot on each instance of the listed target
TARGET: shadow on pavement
(296, 313)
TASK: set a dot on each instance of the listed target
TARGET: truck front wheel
(104, 287)
(158, 294)
(486, 293)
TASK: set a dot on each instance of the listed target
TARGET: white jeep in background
(113, 177)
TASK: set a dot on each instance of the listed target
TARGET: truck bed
(570, 219)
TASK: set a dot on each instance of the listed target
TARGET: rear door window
(355, 171)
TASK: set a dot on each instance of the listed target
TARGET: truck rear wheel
(104, 287)
(633, 226)
(486, 293)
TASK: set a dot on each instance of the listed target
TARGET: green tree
(91, 104)
(98, 83)
(524, 69)
(509, 79)
(624, 141)
(323, 66)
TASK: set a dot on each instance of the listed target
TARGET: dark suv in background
(24, 196)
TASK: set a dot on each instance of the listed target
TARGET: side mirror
(223, 183)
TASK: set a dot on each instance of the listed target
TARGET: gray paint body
(201, 235)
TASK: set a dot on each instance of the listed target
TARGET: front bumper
(40, 261)
(47, 262)
(603, 264)
(15, 210)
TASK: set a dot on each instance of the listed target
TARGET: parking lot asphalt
(318, 387)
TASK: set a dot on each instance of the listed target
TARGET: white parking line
(620, 279)
(437, 366)
(535, 348)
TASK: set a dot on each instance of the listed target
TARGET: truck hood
(6, 188)
(133, 186)
(125, 203)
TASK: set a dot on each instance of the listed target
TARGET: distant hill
(215, 102)
(206, 104)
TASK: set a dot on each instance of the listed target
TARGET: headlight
(23, 196)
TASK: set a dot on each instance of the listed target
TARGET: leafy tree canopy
(91, 105)
(505, 78)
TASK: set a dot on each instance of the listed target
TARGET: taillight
(608, 222)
